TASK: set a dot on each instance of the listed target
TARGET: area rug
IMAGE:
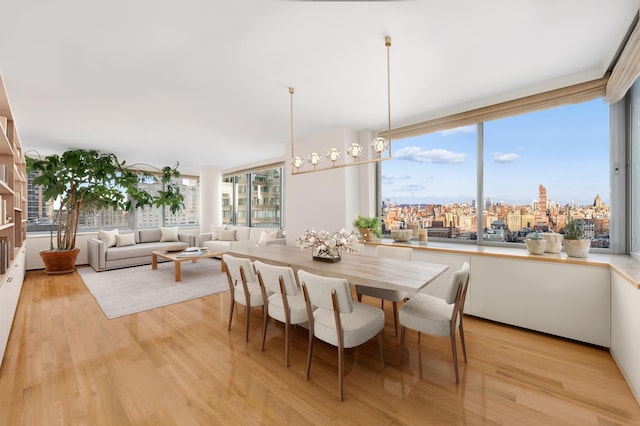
(130, 290)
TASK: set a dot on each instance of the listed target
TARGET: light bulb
(333, 155)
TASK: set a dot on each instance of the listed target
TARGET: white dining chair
(244, 287)
(394, 296)
(338, 320)
(285, 302)
(438, 317)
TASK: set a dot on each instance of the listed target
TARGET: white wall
(625, 326)
(327, 200)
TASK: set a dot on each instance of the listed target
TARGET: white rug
(130, 290)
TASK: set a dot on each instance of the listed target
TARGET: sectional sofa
(119, 249)
(227, 237)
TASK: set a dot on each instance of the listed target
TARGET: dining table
(360, 269)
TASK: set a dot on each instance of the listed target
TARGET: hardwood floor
(67, 364)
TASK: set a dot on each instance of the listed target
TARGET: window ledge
(626, 266)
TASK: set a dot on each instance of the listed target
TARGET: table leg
(178, 275)
(154, 261)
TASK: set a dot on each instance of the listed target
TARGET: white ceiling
(205, 82)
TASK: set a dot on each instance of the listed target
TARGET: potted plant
(574, 242)
(82, 180)
(535, 244)
(370, 227)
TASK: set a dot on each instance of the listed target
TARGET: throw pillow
(228, 235)
(169, 234)
(267, 236)
(215, 231)
(109, 237)
(123, 240)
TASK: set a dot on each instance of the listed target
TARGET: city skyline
(564, 148)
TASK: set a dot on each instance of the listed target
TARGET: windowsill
(626, 266)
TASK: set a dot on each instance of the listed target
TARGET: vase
(325, 254)
(554, 242)
(536, 246)
(577, 248)
(59, 261)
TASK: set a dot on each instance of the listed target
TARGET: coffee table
(177, 257)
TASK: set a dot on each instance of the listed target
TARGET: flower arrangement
(534, 236)
(328, 244)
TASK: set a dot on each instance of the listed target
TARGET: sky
(565, 149)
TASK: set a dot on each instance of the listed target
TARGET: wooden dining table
(371, 271)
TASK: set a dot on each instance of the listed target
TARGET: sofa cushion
(138, 250)
(169, 234)
(267, 236)
(150, 235)
(243, 232)
(109, 237)
(124, 240)
(227, 235)
(215, 231)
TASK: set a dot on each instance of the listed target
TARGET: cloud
(442, 156)
(464, 129)
(499, 157)
(393, 178)
(412, 188)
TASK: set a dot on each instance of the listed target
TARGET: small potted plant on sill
(535, 243)
(370, 227)
(574, 242)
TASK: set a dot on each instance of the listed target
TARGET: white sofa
(228, 237)
(101, 257)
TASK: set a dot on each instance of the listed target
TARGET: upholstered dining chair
(244, 287)
(438, 317)
(394, 296)
(286, 302)
(338, 320)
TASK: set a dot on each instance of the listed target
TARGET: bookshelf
(13, 217)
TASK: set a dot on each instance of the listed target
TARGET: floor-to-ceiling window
(253, 198)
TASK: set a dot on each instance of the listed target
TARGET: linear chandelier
(380, 147)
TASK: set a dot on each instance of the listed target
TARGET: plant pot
(554, 242)
(367, 234)
(536, 246)
(401, 235)
(577, 248)
(59, 261)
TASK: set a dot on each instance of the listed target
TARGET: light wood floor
(67, 364)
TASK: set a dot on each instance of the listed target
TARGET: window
(40, 214)
(258, 207)
(537, 169)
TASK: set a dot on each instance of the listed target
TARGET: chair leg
(381, 344)
(455, 355)
(265, 323)
(402, 331)
(395, 317)
(464, 349)
(233, 304)
(287, 333)
(247, 317)
(341, 372)
(309, 353)
(419, 337)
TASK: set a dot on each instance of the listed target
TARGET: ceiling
(205, 82)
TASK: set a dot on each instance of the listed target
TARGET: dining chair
(243, 285)
(394, 296)
(338, 320)
(438, 317)
(286, 302)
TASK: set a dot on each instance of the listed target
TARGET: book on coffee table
(190, 253)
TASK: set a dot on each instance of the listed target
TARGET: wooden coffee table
(177, 260)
